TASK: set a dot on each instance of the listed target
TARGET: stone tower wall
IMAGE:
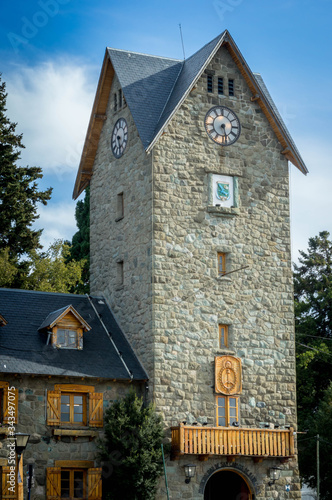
(255, 300)
(128, 239)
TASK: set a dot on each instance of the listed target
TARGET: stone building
(63, 360)
(187, 163)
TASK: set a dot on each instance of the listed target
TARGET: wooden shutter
(53, 407)
(7, 494)
(96, 409)
(94, 484)
(10, 405)
(53, 483)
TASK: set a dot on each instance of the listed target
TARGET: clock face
(119, 137)
(222, 125)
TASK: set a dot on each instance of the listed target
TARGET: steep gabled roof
(55, 316)
(23, 349)
(154, 89)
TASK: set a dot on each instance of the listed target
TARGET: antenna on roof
(184, 55)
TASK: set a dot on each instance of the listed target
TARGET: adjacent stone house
(63, 360)
(188, 166)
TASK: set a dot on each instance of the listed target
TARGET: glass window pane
(78, 400)
(60, 337)
(64, 399)
(221, 412)
(78, 417)
(78, 484)
(232, 401)
(221, 401)
(232, 412)
(222, 422)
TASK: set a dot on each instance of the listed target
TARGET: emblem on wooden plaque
(228, 375)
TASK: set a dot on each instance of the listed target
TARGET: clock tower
(190, 245)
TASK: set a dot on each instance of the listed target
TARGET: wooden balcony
(232, 442)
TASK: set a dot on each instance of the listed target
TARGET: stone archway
(227, 485)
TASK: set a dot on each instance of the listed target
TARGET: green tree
(80, 245)
(8, 270)
(313, 327)
(132, 449)
(19, 192)
(50, 272)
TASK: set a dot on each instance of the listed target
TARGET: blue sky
(51, 53)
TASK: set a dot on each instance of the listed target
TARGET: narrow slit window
(120, 98)
(223, 335)
(120, 206)
(120, 272)
(209, 83)
(230, 87)
(221, 263)
(115, 102)
(220, 85)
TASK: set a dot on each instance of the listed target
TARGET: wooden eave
(97, 118)
(3, 322)
(79, 318)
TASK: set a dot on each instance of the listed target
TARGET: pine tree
(313, 328)
(131, 449)
(19, 192)
(80, 245)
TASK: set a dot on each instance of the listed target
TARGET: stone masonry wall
(43, 448)
(189, 298)
(127, 239)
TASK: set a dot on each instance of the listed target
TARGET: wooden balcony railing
(232, 441)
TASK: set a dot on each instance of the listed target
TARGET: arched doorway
(227, 485)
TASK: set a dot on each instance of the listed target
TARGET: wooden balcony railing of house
(232, 442)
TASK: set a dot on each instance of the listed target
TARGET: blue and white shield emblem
(223, 191)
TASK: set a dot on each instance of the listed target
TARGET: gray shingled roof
(155, 86)
(24, 350)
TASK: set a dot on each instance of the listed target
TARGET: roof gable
(154, 89)
(56, 316)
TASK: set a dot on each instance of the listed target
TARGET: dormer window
(67, 339)
(65, 328)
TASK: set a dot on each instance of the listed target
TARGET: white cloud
(51, 104)
(311, 195)
(57, 221)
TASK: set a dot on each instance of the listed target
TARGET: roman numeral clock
(119, 137)
(222, 125)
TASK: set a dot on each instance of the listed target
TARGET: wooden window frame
(72, 471)
(222, 268)
(92, 479)
(227, 417)
(224, 335)
(93, 409)
(72, 396)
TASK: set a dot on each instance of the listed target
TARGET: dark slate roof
(23, 349)
(147, 82)
(153, 86)
(52, 317)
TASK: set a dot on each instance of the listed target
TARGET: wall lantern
(190, 471)
(21, 441)
(274, 475)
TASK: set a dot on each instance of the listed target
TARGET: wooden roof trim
(97, 118)
(274, 121)
(3, 322)
(71, 309)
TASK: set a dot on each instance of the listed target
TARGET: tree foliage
(132, 449)
(80, 245)
(19, 192)
(313, 324)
